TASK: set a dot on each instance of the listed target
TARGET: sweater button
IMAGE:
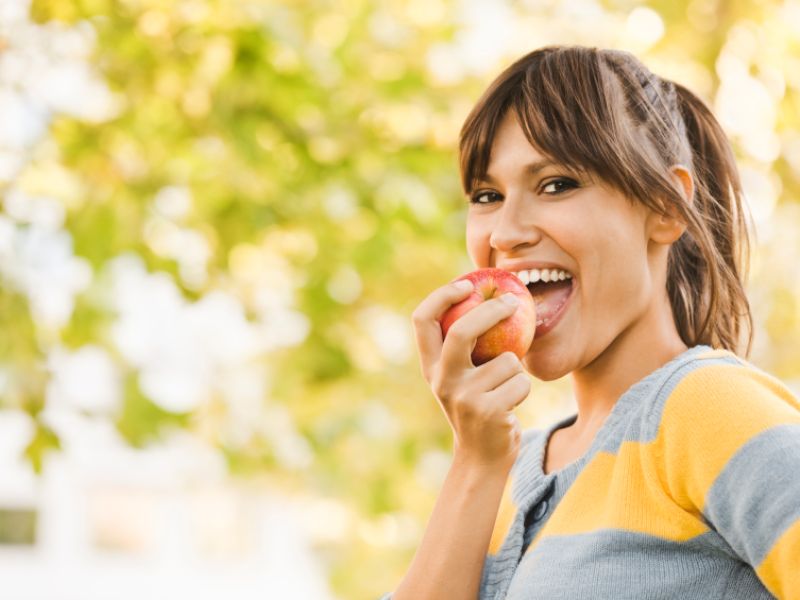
(540, 510)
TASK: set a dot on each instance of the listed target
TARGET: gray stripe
(624, 565)
(756, 496)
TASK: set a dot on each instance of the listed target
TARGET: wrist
(481, 467)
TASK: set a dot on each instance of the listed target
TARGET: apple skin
(514, 333)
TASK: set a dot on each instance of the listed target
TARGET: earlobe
(667, 230)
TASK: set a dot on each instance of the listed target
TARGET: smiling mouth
(549, 297)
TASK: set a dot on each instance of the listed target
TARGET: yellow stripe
(779, 570)
(631, 499)
(718, 353)
(505, 516)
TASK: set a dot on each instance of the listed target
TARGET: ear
(684, 178)
(668, 229)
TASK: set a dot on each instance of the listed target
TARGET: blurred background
(217, 217)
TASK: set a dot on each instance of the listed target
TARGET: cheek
(615, 274)
(477, 240)
(625, 286)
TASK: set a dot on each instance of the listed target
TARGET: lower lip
(544, 328)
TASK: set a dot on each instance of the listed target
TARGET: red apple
(514, 333)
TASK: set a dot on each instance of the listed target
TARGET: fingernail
(510, 299)
(464, 285)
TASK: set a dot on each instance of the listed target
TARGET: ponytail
(707, 267)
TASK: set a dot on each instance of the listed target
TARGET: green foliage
(44, 440)
(141, 421)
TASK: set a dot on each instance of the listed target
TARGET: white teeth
(535, 275)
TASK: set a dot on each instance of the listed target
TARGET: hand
(477, 401)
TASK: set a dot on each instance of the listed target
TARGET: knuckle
(507, 363)
(460, 403)
(503, 305)
(457, 332)
(524, 381)
(461, 409)
(466, 407)
(488, 412)
(510, 360)
(472, 410)
(439, 388)
(443, 389)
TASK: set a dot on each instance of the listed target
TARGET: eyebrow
(530, 169)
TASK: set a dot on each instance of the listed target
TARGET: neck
(634, 354)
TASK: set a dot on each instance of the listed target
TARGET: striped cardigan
(690, 490)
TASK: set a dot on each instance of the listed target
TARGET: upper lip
(528, 265)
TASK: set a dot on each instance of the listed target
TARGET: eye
(559, 186)
(475, 198)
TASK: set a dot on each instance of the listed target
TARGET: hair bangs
(477, 136)
(563, 102)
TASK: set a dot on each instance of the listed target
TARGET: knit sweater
(690, 490)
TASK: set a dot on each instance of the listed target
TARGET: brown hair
(602, 112)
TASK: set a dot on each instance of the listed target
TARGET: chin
(545, 366)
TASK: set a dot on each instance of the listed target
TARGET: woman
(677, 477)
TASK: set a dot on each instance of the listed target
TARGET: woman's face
(557, 216)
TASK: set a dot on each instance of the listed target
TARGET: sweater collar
(530, 480)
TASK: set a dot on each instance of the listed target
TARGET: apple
(514, 333)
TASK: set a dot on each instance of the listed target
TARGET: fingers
(425, 318)
(463, 334)
(494, 373)
(511, 393)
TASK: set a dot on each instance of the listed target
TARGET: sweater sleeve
(730, 441)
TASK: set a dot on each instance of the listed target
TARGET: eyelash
(571, 184)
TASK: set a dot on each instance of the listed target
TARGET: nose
(513, 229)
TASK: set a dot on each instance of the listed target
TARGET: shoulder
(718, 408)
(719, 386)
(723, 423)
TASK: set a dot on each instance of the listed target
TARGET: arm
(449, 562)
(478, 403)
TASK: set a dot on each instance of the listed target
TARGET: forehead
(512, 151)
(510, 134)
